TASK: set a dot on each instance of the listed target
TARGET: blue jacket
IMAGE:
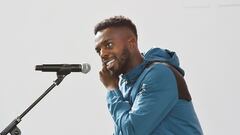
(147, 102)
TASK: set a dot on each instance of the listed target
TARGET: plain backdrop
(204, 33)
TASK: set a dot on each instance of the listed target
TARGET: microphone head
(86, 68)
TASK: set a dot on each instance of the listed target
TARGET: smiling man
(147, 94)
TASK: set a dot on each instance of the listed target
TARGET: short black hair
(116, 21)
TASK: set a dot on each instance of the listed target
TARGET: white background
(204, 33)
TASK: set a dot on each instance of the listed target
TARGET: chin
(115, 72)
(117, 69)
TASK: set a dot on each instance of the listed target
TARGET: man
(145, 97)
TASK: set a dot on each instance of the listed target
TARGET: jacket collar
(131, 76)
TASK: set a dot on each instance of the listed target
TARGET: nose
(104, 53)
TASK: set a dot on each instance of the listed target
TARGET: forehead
(111, 33)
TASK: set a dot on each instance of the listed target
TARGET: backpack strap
(183, 92)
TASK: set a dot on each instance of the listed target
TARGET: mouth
(109, 63)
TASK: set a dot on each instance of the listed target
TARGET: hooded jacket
(147, 102)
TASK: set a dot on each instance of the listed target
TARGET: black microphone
(84, 68)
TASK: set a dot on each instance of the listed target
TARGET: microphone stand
(12, 127)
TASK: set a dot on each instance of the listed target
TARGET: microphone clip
(64, 70)
(62, 73)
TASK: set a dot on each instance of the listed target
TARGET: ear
(132, 42)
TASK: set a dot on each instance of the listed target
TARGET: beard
(121, 63)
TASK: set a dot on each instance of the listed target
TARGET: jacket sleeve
(158, 94)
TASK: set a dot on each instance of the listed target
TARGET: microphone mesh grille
(86, 68)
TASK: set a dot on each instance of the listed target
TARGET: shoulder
(159, 70)
(159, 78)
(159, 75)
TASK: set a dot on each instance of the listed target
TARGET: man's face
(112, 47)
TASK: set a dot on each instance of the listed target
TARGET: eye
(109, 45)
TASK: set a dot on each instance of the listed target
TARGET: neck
(134, 60)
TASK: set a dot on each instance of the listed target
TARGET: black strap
(183, 92)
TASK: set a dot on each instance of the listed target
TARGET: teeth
(108, 63)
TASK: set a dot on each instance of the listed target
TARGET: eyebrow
(101, 43)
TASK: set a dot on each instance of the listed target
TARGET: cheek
(119, 49)
(124, 59)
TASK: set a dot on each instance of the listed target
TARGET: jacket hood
(164, 55)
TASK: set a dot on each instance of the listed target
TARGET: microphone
(84, 68)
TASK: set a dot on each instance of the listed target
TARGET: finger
(100, 73)
(104, 68)
(101, 76)
(103, 64)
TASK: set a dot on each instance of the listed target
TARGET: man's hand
(108, 79)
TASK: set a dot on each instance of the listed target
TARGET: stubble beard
(123, 62)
